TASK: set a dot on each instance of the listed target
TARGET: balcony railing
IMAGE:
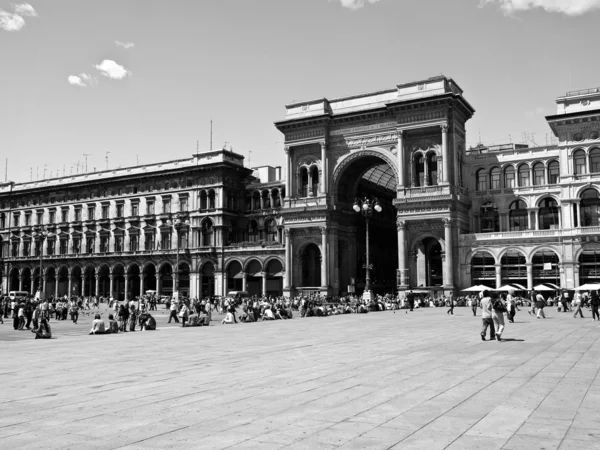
(531, 233)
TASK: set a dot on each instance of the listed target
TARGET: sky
(139, 81)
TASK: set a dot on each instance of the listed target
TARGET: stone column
(142, 277)
(559, 212)
(262, 200)
(174, 276)
(445, 159)
(82, 285)
(32, 292)
(400, 158)
(324, 258)
(288, 173)
(69, 284)
(158, 284)
(577, 218)
(244, 281)
(529, 221)
(536, 216)
(498, 268)
(529, 267)
(402, 267)
(324, 175)
(20, 282)
(264, 283)
(288, 258)
(449, 275)
(55, 284)
(309, 188)
(111, 285)
(126, 287)
(43, 283)
(97, 285)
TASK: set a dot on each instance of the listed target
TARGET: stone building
(450, 216)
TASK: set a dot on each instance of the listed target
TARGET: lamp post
(41, 233)
(366, 207)
(178, 224)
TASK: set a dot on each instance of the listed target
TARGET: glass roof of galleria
(382, 175)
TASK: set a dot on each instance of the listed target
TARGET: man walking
(173, 314)
(486, 316)
(451, 300)
(577, 303)
(595, 302)
(474, 302)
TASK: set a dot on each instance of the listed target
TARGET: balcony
(528, 234)
(413, 194)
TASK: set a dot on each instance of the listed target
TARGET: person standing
(511, 306)
(540, 303)
(577, 303)
(531, 303)
(498, 310)
(474, 302)
(451, 300)
(486, 316)
(173, 312)
(595, 302)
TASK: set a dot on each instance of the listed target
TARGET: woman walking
(498, 310)
(595, 302)
(540, 303)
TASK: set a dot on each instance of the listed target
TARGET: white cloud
(112, 70)
(356, 4)
(125, 45)
(14, 21)
(25, 9)
(76, 81)
(81, 80)
(568, 7)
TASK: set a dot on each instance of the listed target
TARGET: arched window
(517, 216)
(548, 214)
(314, 172)
(203, 200)
(482, 180)
(579, 162)
(509, 177)
(266, 199)
(538, 174)
(432, 169)
(303, 182)
(276, 198)
(595, 160)
(271, 229)
(590, 208)
(553, 172)
(483, 269)
(495, 178)
(207, 233)
(211, 199)
(489, 217)
(256, 200)
(523, 175)
(253, 231)
(420, 170)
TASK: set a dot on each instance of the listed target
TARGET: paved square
(421, 380)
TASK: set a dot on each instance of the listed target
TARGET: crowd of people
(127, 316)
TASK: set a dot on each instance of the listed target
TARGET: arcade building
(447, 216)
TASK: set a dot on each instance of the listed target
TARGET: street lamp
(366, 207)
(41, 233)
(178, 224)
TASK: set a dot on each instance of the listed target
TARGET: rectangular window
(40, 217)
(76, 246)
(2, 221)
(91, 213)
(165, 240)
(26, 248)
(509, 180)
(64, 215)
(118, 243)
(105, 211)
(27, 219)
(135, 209)
(523, 179)
(167, 205)
(495, 179)
(149, 242)
(78, 215)
(89, 245)
(63, 246)
(38, 248)
(52, 217)
(15, 249)
(133, 243)
(183, 204)
(103, 244)
(150, 207)
(16, 219)
(50, 247)
(120, 210)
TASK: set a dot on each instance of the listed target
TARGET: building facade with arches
(450, 217)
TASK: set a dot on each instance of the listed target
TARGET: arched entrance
(234, 276)
(274, 271)
(118, 275)
(76, 281)
(254, 278)
(89, 286)
(363, 174)
(149, 273)
(50, 282)
(483, 269)
(165, 275)
(14, 279)
(311, 266)
(589, 266)
(26, 279)
(62, 279)
(545, 266)
(207, 280)
(133, 285)
(514, 268)
(103, 287)
(184, 279)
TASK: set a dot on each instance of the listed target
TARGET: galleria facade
(450, 216)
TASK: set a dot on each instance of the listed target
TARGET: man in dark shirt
(595, 302)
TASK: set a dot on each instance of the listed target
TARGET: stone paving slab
(421, 380)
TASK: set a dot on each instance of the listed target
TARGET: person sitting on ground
(113, 325)
(98, 325)
(43, 331)
(362, 309)
(194, 321)
(229, 318)
(268, 314)
(147, 322)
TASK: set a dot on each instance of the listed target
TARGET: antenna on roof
(86, 155)
(107, 152)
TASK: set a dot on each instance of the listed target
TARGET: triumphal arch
(401, 147)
